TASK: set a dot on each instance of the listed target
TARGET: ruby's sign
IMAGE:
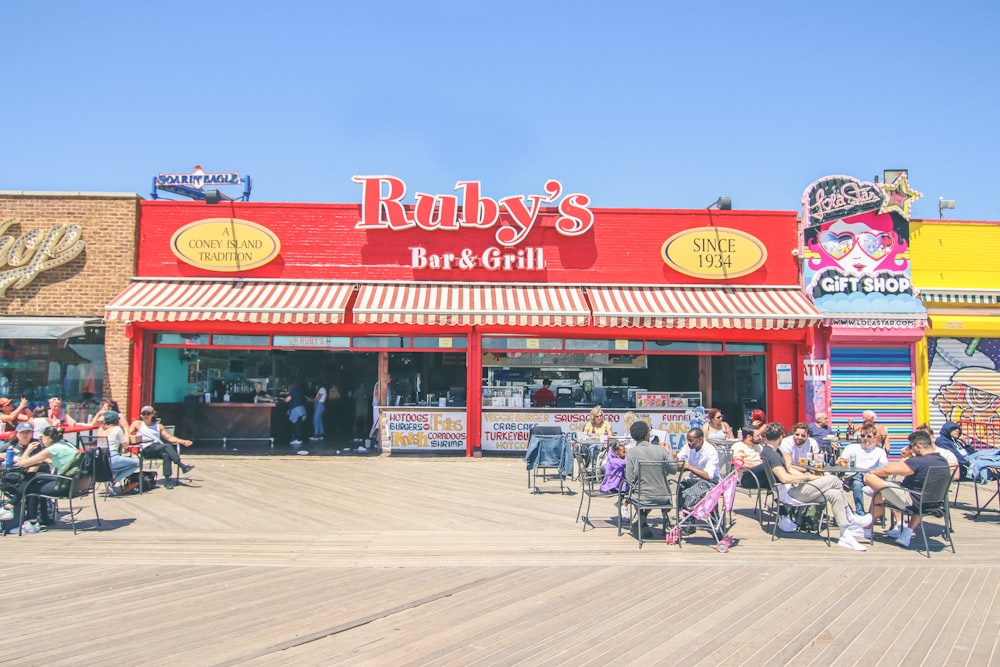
(513, 218)
(36, 251)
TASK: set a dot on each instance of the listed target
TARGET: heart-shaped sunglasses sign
(874, 244)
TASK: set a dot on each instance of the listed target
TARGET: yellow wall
(960, 255)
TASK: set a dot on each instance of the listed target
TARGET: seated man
(865, 456)
(700, 458)
(156, 443)
(914, 470)
(798, 447)
(655, 488)
(808, 487)
(11, 415)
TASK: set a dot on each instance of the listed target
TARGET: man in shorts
(914, 470)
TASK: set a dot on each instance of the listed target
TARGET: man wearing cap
(156, 443)
(121, 466)
(655, 487)
(11, 415)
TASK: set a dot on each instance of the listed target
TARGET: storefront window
(226, 340)
(71, 369)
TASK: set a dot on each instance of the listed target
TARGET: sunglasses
(867, 437)
(146, 413)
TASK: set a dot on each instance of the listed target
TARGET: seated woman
(867, 456)
(716, 430)
(121, 466)
(57, 414)
(597, 427)
(747, 449)
(57, 453)
(614, 470)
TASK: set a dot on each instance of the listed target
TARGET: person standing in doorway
(389, 398)
(296, 413)
(319, 407)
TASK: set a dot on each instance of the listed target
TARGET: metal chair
(930, 500)
(548, 449)
(760, 485)
(657, 486)
(781, 498)
(68, 488)
(591, 474)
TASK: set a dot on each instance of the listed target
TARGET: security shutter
(873, 378)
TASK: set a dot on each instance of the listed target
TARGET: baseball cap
(24, 426)
(147, 408)
(111, 417)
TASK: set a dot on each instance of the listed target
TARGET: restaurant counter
(197, 421)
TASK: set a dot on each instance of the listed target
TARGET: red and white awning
(703, 307)
(488, 305)
(234, 301)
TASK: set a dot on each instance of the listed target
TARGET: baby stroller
(706, 512)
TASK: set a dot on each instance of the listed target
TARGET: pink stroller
(707, 513)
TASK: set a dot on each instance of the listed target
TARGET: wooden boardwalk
(406, 561)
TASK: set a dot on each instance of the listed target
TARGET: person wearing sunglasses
(866, 456)
(157, 443)
(716, 430)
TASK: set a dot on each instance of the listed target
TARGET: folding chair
(657, 485)
(930, 500)
(780, 498)
(548, 449)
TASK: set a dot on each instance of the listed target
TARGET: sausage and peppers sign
(714, 253)
(513, 219)
(35, 251)
(225, 244)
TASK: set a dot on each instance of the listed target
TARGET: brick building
(64, 256)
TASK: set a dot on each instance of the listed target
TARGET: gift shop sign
(511, 219)
(715, 253)
(225, 244)
(35, 251)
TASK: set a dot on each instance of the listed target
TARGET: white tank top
(149, 435)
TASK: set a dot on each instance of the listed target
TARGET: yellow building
(956, 268)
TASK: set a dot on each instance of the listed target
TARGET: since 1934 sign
(716, 253)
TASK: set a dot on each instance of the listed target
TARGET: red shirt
(543, 397)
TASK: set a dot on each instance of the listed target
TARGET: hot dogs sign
(856, 250)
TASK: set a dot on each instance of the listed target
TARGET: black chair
(78, 486)
(781, 499)
(548, 450)
(754, 480)
(590, 465)
(930, 500)
(657, 486)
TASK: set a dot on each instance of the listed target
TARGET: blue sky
(638, 104)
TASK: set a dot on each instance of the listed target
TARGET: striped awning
(489, 305)
(702, 307)
(265, 302)
(960, 296)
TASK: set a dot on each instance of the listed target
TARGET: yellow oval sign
(225, 244)
(716, 253)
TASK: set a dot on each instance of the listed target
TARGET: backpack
(80, 468)
(102, 465)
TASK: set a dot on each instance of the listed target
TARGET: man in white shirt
(797, 447)
(866, 456)
(700, 458)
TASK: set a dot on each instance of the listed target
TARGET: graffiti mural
(965, 386)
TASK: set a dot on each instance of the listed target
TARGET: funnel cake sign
(511, 219)
(857, 249)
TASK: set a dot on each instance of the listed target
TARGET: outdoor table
(75, 428)
(836, 470)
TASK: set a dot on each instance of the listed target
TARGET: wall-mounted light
(943, 204)
(723, 203)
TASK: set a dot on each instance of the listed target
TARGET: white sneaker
(859, 532)
(895, 532)
(786, 524)
(295, 443)
(848, 541)
(861, 520)
(362, 450)
(904, 537)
